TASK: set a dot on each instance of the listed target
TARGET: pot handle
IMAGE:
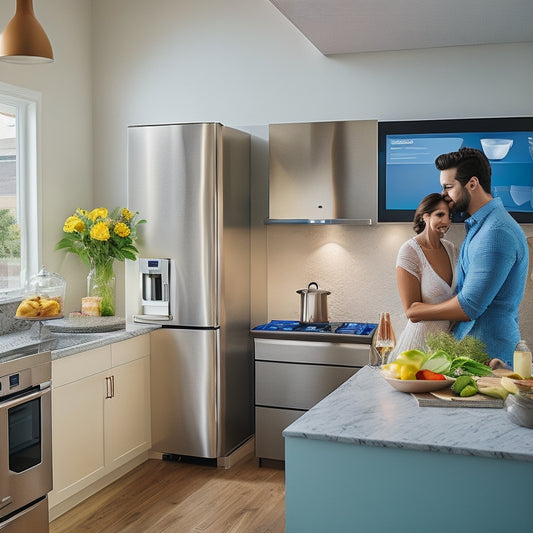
(313, 283)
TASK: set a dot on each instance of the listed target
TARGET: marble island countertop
(367, 411)
(64, 344)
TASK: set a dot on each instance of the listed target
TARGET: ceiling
(351, 26)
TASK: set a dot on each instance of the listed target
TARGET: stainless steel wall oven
(25, 442)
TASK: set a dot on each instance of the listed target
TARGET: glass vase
(101, 282)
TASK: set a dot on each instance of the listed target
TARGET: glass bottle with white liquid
(522, 360)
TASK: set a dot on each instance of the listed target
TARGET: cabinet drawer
(130, 349)
(326, 353)
(269, 423)
(296, 386)
(81, 365)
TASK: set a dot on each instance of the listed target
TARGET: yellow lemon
(392, 370)
(408, 372)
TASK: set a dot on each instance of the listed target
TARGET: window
(19, 235)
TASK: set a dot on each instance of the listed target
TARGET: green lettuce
(439, 362)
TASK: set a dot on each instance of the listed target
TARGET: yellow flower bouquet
(100, 237)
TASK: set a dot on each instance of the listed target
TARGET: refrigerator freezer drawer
(183, 391)
(296, 386)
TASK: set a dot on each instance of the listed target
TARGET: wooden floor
(173, 497)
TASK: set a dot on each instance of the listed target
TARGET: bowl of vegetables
(445, 360)
(421, 384)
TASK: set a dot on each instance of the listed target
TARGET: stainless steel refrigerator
(191, 182)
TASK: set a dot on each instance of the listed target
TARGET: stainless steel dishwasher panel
(270, 422)
(296, 386)
(311, 352)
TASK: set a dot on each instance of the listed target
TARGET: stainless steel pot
(313, 304)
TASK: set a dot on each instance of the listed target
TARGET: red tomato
(429, 375)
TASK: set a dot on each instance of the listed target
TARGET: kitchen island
(368, 458)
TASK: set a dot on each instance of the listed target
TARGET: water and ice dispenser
(155, 289)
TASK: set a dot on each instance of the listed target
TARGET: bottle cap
(521, 346)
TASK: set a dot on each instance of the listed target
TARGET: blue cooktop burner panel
(346, 328)
(356, 328)
(279, 325)
(318, 328)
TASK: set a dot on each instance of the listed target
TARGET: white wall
(66, 126)
(242, 63)
(122, 62)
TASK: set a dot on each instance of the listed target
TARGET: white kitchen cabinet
(100, 413)
(127, 426)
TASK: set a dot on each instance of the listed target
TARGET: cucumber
(461, 382)
(469, 390)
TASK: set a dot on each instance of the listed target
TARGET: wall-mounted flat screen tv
(406, 162)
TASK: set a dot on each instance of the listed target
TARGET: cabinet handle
(108, 389)
(112, 386)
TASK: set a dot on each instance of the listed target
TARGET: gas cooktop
(291, 329)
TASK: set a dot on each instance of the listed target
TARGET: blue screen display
(407, 153)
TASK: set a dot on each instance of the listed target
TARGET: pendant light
(24, 40)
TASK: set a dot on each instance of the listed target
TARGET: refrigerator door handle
(149, 319)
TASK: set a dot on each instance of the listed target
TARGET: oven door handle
(23, 399)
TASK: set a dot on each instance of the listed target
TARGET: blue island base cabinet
(339, 487)
(368, 459)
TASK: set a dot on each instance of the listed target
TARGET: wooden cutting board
(499, 373)
(447, 398)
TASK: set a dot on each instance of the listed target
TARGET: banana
(495, 391)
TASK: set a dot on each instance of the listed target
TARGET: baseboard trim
(237, 455)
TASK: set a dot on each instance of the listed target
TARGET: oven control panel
(18, 374)
(13, 383)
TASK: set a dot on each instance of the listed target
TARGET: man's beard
(462, 203)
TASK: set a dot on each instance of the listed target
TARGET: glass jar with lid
(47, 286)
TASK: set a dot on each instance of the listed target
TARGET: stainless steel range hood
(323, 173)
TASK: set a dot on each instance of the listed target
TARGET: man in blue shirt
(493, 262)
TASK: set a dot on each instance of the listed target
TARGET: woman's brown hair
(427, 205)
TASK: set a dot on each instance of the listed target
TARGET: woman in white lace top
(425, 270)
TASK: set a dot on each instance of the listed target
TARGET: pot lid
(311, 290)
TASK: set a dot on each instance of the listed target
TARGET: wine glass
(384, 340)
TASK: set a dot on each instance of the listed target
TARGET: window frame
(28, 105)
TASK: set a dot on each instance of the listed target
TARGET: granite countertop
(367, 411)
(64, 344)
